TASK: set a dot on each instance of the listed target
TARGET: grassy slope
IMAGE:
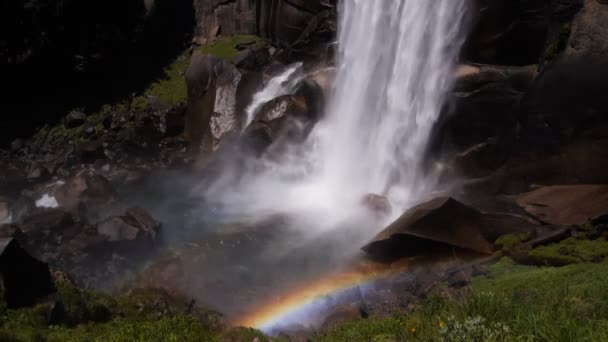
(514, 303)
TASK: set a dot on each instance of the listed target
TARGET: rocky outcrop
(566, 205)
(212, 111)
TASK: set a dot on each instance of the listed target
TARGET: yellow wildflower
(441, 324)
(413, 329)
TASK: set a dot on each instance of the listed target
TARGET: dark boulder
(442, 223)
(26, 279)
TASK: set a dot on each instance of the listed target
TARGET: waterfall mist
(395, 66)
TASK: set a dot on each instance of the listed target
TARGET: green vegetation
(506, 242)
(171, 88)
(227, 47)
(513, 303)
(571, 251)
(91, 316)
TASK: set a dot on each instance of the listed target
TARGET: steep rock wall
(280, 21)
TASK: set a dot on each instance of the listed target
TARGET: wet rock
(74, 119)
(254, 59)
(85, 188)
(135, 225)
(287, 105)
(378, 205)
(26, 280)
(566, 205)
(439, 224)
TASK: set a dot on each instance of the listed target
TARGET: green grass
(146, 315)
(226, 47)
(513, 303)
(171, 88)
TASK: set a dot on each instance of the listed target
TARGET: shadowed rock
(439, 224)
(26, 279)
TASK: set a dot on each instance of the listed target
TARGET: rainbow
(306, 304)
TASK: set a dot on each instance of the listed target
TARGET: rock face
(212, 88)
(280, 21)
(516, 32)
(441, 222)
(566, 205)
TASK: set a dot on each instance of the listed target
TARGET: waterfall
(396, 59)
(395, 67)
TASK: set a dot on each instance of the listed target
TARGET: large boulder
(566, 204)
(212, 102)
(443, 222)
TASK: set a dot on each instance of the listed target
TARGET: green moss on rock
(227, 47)
(570, 251)
(506, 242)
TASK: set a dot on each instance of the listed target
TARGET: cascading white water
(395, 69)
(395, 65)
(280, 85)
